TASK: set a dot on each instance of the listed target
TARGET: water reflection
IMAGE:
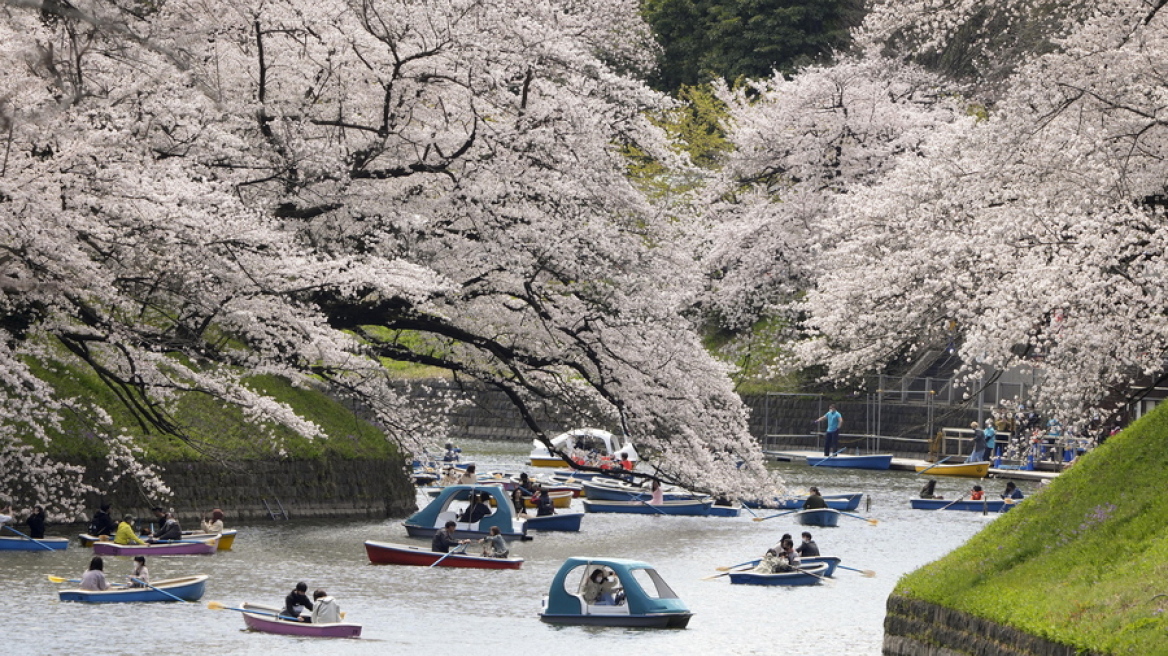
(416, 608)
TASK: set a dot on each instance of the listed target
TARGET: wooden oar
(727, 569)
(946, 506)
(216, 605)
(763, 519)
(38, 543)
(873, 522)
(820, 462)
(174, 597)
(867, 573)
(459, 549)
(941, 461)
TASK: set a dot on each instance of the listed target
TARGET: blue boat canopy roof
(643, 589)
(501, 517)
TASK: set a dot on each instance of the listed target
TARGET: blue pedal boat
(188, 588)
(826, 517)
(8, 543)
(638, 596)
(696, 507)
(812, 574)
(447, 507)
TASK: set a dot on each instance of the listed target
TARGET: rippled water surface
(444, 610)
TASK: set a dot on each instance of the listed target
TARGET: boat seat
(593, 609)
(446, 516)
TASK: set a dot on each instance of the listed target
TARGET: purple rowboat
(267, 619)
(175, 548)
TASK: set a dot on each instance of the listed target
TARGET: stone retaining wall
(918, 628)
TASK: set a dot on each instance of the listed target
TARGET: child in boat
(140, 576)
(494, 546)
(977, 493)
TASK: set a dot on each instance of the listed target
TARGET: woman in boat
(126, 533)
(494, 546)
(543, 502)
(216, 523)
(450, 476)
(814, 500)
(477, 509)
(469, 477)
(600, 589)
(103, 523)
(5, 515)
(140, 576)
(658, 496)
(1012, 491)
(297, 601)
(94, 577)
(325, 609)
(929, 490)
(36, 523)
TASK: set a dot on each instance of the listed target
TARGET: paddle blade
(868, 574)
(873, 522)
(216, 605)
(723, 569)
(758, 519)
(57, 579)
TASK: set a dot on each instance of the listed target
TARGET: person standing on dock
(831, 435)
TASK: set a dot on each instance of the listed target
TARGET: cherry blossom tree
(300, 189)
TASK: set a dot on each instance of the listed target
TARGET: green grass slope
(1084, 562)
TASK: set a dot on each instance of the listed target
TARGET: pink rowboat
(384, 553)
(267, 619)
(176, 548)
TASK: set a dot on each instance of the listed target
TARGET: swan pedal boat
(187, 588)
(810, 574)
(609, 446)
(9, 543)
(266, 619)
(384, 553)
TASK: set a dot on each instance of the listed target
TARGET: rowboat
(602, 489)
(812, 574)
(226, 538)
(872, 461)
(819, 517)
(609, 446)
(556, 522)
(172, 548)
(9, 543)
(267, 620)
(724, 511)
(384, 553)
(187, 588)
(983, 505)
(847, 502)
(968, 469)
(640, 597)
(446, 507)
(695, 507)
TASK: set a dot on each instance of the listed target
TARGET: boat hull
(226, 538)
(687, 508)
(384, 553)
(847, 502)
(269, 624)
(190, 588)
(557, 522)
(831, 561)
(609, 492)
(988, 505)
(966, 469)
(654, 621)
(28, 544)
(825, 517)
(163, 549)
(810, 575)
(877, 461)
(723, 511)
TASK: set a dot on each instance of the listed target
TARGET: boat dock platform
(911, 464)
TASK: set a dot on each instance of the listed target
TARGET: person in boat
(657, 497)
(444, 539)
(5, 515)
(494, 546)
(216, 523)
(600, 589)
(522, 490)
(814, 500)
(544, 505)
(103, 523)
(477, 509)
(169, 530)
(976, 494)
(36, 523)
(297, 601)
(780, 558)
(126, 533)
(979, 444)
(469, 477)
(94, 577)
(807, 548)
(831, 435)
(452, 454)
(928, 491)
(139, 576)
(1012, 492)
(625, 463)
(325, 609)
(450, 476)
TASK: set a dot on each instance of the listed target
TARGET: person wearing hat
(979, 444)
(216, 523)
(126, 533)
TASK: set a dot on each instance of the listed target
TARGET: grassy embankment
(216, 429)
(1084, 562)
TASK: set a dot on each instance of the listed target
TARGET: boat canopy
(443, 506)
(588, 439)
(638, 587)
